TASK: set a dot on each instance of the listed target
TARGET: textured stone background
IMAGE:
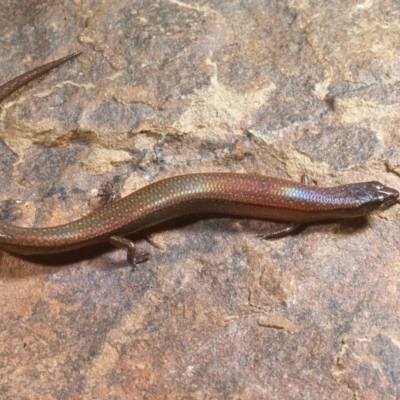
(167, 87)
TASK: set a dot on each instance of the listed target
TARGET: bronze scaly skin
(224, 193)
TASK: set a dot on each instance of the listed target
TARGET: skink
(223, 193)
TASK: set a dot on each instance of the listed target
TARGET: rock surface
(170, 87)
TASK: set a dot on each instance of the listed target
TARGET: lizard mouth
(388, 197)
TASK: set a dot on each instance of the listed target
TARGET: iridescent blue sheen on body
(225, 193)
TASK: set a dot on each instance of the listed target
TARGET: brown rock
(163, 88)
